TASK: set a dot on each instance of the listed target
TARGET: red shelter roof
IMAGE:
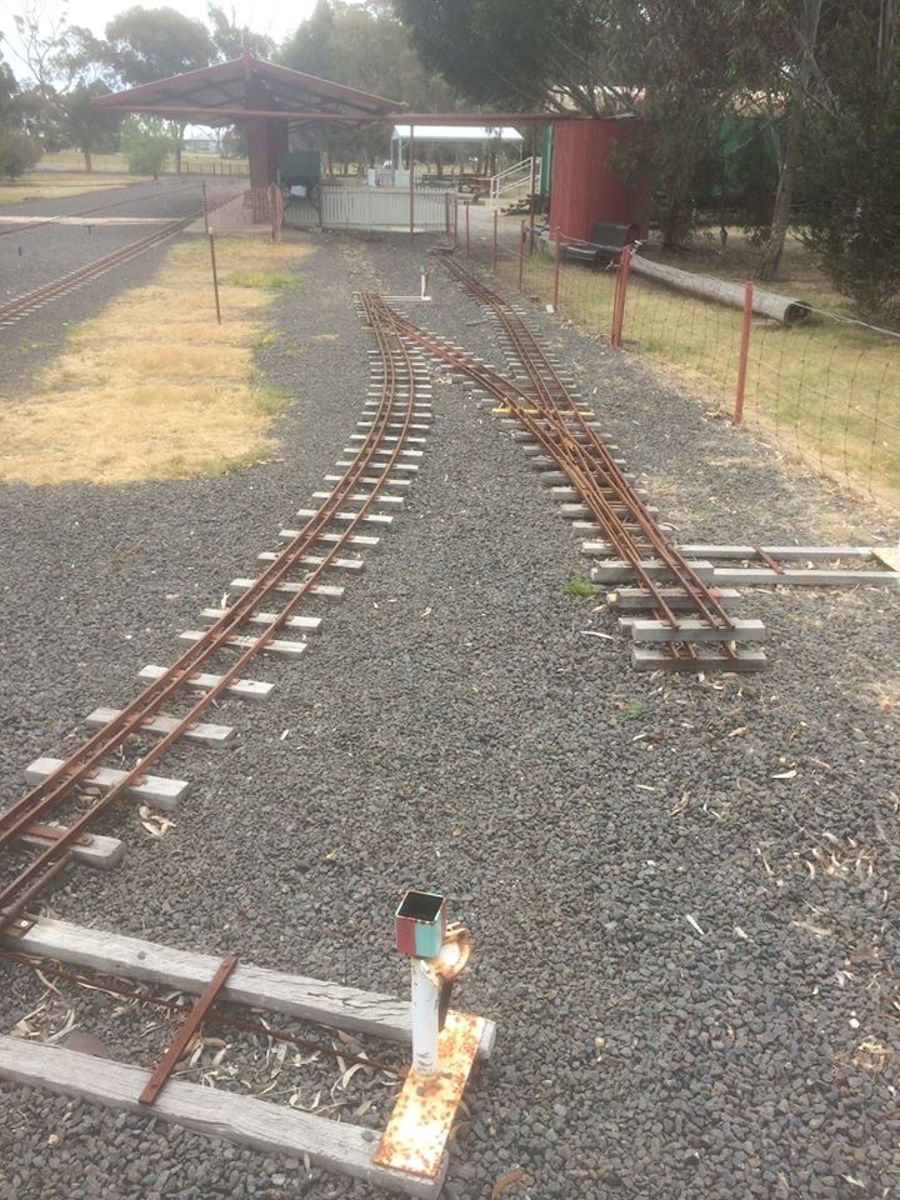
(249, 86)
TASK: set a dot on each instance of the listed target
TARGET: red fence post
(556, 270)
(619, 301)
(494, 245)
(521, 253)
(742, 358)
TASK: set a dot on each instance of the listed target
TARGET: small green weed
(267, 339)
(633, 709)
(271, 400)
(265, 279)
(577, 586)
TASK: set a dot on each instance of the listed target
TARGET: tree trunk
(88, 160)
(179, 138)
(781, 211)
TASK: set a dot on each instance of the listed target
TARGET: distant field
(200, 164)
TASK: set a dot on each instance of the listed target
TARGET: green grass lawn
(829, 390)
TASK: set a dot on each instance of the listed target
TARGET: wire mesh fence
(827, 388)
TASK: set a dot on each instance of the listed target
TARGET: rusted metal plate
(889, 556)
(417, 1132)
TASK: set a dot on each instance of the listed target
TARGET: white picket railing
(386, 208)
(516, 178)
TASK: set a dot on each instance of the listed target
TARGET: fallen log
(787, 310)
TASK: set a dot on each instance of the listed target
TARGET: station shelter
(268, 100)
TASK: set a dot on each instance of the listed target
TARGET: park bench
(608, 239)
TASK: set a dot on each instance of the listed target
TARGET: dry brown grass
(153, 388)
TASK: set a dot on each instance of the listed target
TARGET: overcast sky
(278, 18)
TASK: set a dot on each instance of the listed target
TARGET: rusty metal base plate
(889, 555)
(416, 1135)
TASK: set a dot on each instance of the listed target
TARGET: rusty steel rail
(21, 305)
(547, 410)
(40, 222)
(49, 795)
(590, 456)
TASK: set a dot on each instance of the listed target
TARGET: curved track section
(381, 458)
(683, 624)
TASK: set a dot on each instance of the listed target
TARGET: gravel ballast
(680, 889)
(33, 256)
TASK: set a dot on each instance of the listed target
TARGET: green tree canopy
(146, 44)
(372, 51)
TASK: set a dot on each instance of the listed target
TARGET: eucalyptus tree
(146, 44)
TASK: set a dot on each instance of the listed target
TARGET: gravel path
(32, 257)
(689, 959)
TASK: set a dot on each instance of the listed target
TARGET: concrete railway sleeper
(266, 607)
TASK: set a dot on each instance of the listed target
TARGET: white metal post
(425, 1000)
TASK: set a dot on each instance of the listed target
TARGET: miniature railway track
(681, 617)
(22, 305)
(265, 609)
(40, 222)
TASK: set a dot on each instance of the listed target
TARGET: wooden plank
(314, 560)
(156, 789)
(810, 577)
(246, 689)
(266, 1127)
(307, 624)
(283, 646)
(331, 591)
(314, 1000)
(692, 629)
(215, 735)
(102, 852)
(651, 658)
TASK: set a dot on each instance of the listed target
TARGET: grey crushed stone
(451, 727)
(32, 257)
